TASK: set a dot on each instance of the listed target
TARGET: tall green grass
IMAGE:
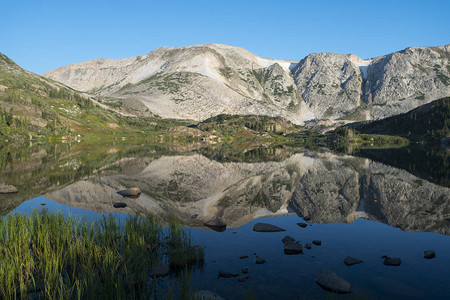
(48, 255)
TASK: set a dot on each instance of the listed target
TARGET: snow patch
(265, 63)
(363, 65)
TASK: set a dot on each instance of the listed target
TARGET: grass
(48, 255)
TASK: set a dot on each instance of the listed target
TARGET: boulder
(330, 281)
(317, 242)
(259, 260)
(120, 205)
(8, 189)
(350, 261)
(308, 246)
(302, 225)
(429, 254)
(293, 248)
(227, 274)
(244, 271)
(307, 218)
(392, 261)
(264, 227)
(288, 239)
(133, 192)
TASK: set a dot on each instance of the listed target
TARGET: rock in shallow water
(308, 246)
(429, 254)
(317, 242)
(264, 227)
(302, 225)
(243, 278)
(392, 261)
(330, 281)
(350, 261)
(288, 239)
(227, 274)
(293, 248)
(259, 260)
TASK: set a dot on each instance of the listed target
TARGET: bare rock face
(194, 82)
(335, 85)
(404, 80)
(329, 83)
(202, 81)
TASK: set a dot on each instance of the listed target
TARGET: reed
(48, 255)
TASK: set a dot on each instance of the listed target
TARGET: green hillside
(428, 122)
(32, 106)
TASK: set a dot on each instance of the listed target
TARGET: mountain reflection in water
(340, 193)
(325, 186)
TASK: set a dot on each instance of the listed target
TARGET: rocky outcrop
(336, 85)
(201, 81)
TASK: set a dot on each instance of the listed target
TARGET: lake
(367, 204)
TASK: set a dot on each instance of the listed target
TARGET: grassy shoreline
(49, 255)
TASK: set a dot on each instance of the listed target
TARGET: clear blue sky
(43, 35)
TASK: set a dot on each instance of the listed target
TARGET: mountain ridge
(201, 81)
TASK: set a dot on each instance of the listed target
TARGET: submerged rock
(8, 189)
(330, 281)
(293, 248)
(264, 227)
(133, 192)
(259, 260)
(308, 246)
(350, 261)
(288, 239)
(243, 256)
(120, 205)
(244, 270)
(317, 242)
(429, 254)
(392, 261)
(243, 278)
(302, 225)
(307, 218)
(227, 274)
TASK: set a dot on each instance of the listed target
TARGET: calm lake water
(365, 205)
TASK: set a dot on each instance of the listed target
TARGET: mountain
(202, 81)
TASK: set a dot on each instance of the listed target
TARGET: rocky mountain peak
(197, 82)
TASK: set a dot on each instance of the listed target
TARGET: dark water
(364, 206)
